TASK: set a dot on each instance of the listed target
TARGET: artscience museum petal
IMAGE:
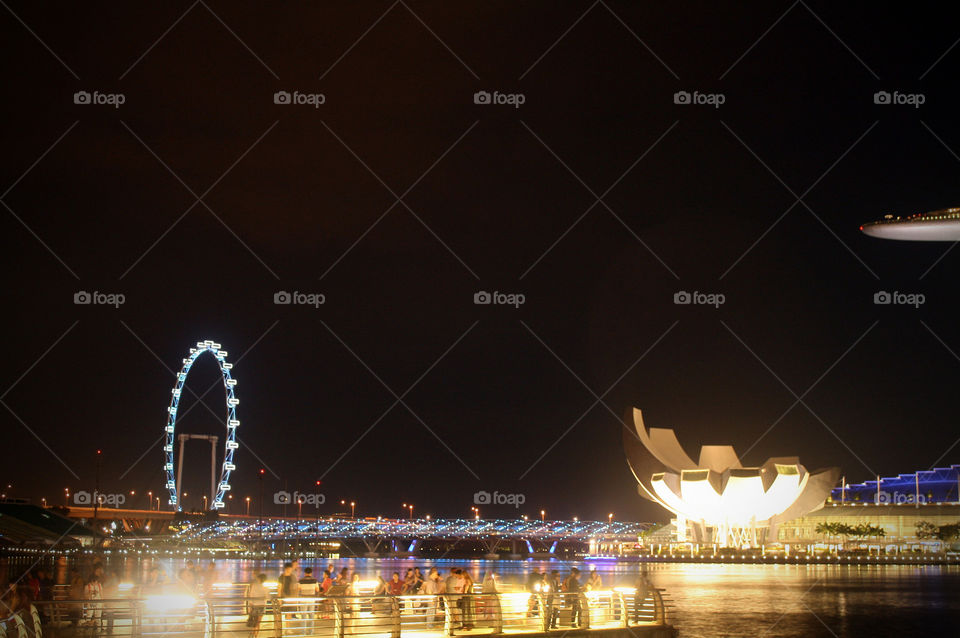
(718, 500)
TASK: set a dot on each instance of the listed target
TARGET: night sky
(399, 198)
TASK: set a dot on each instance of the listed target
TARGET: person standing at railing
(287, 583)
(256, 599)
(395, 585)
(93, 591)
(572, 589)
(553, 587)
(643, 588)
(11, 623)
(468, 600)
(326, 582)
(430, 588)
(594, 582)
(454, 587)
(535, 585)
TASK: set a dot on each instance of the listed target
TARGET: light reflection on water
(715, 600)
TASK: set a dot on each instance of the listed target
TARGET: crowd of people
(89, 585)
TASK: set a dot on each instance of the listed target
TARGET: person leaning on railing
(256, 602)
(643, 588)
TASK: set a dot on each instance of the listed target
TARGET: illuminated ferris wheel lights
(221, 354)
(227, 366)
(231, 382)
(232, 423)
(225, 487)
(169, 429)
(232, 445)
(188, 362)
(233, 401)
(168, 447)
(168, 466)
(229, 466)
(171, 485)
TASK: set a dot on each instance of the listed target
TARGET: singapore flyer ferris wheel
(219, 489)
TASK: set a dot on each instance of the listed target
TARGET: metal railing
(224, 615)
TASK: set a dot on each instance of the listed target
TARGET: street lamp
(44, 503)
(248, 506)
(66, 497)
(353, 509)
(158, 503)
(609, 518)
(150, 500)
(543, 515)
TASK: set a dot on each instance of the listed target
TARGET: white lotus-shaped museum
(718, 500)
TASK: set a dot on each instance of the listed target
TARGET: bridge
(513, 536)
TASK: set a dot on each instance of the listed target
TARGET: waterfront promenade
(225, 611)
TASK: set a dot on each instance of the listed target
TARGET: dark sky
(691, 198)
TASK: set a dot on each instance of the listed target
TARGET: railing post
(210, 631)
(447, 622)
(545, 613)
(659, 613)
(497, 611)
(338, 625)
(623, 608)
(277, 618)
(584, 618)
(395, 616)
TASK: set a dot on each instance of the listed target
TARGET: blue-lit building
(939, 485)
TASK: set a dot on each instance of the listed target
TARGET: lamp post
(158, 503)
(543, 515)
(66, 497)
(150, 500)
(260, 518)
(609, 518)
(248, 506)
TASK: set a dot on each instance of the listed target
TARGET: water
(817, 601)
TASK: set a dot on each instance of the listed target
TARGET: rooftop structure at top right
(938, 225)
